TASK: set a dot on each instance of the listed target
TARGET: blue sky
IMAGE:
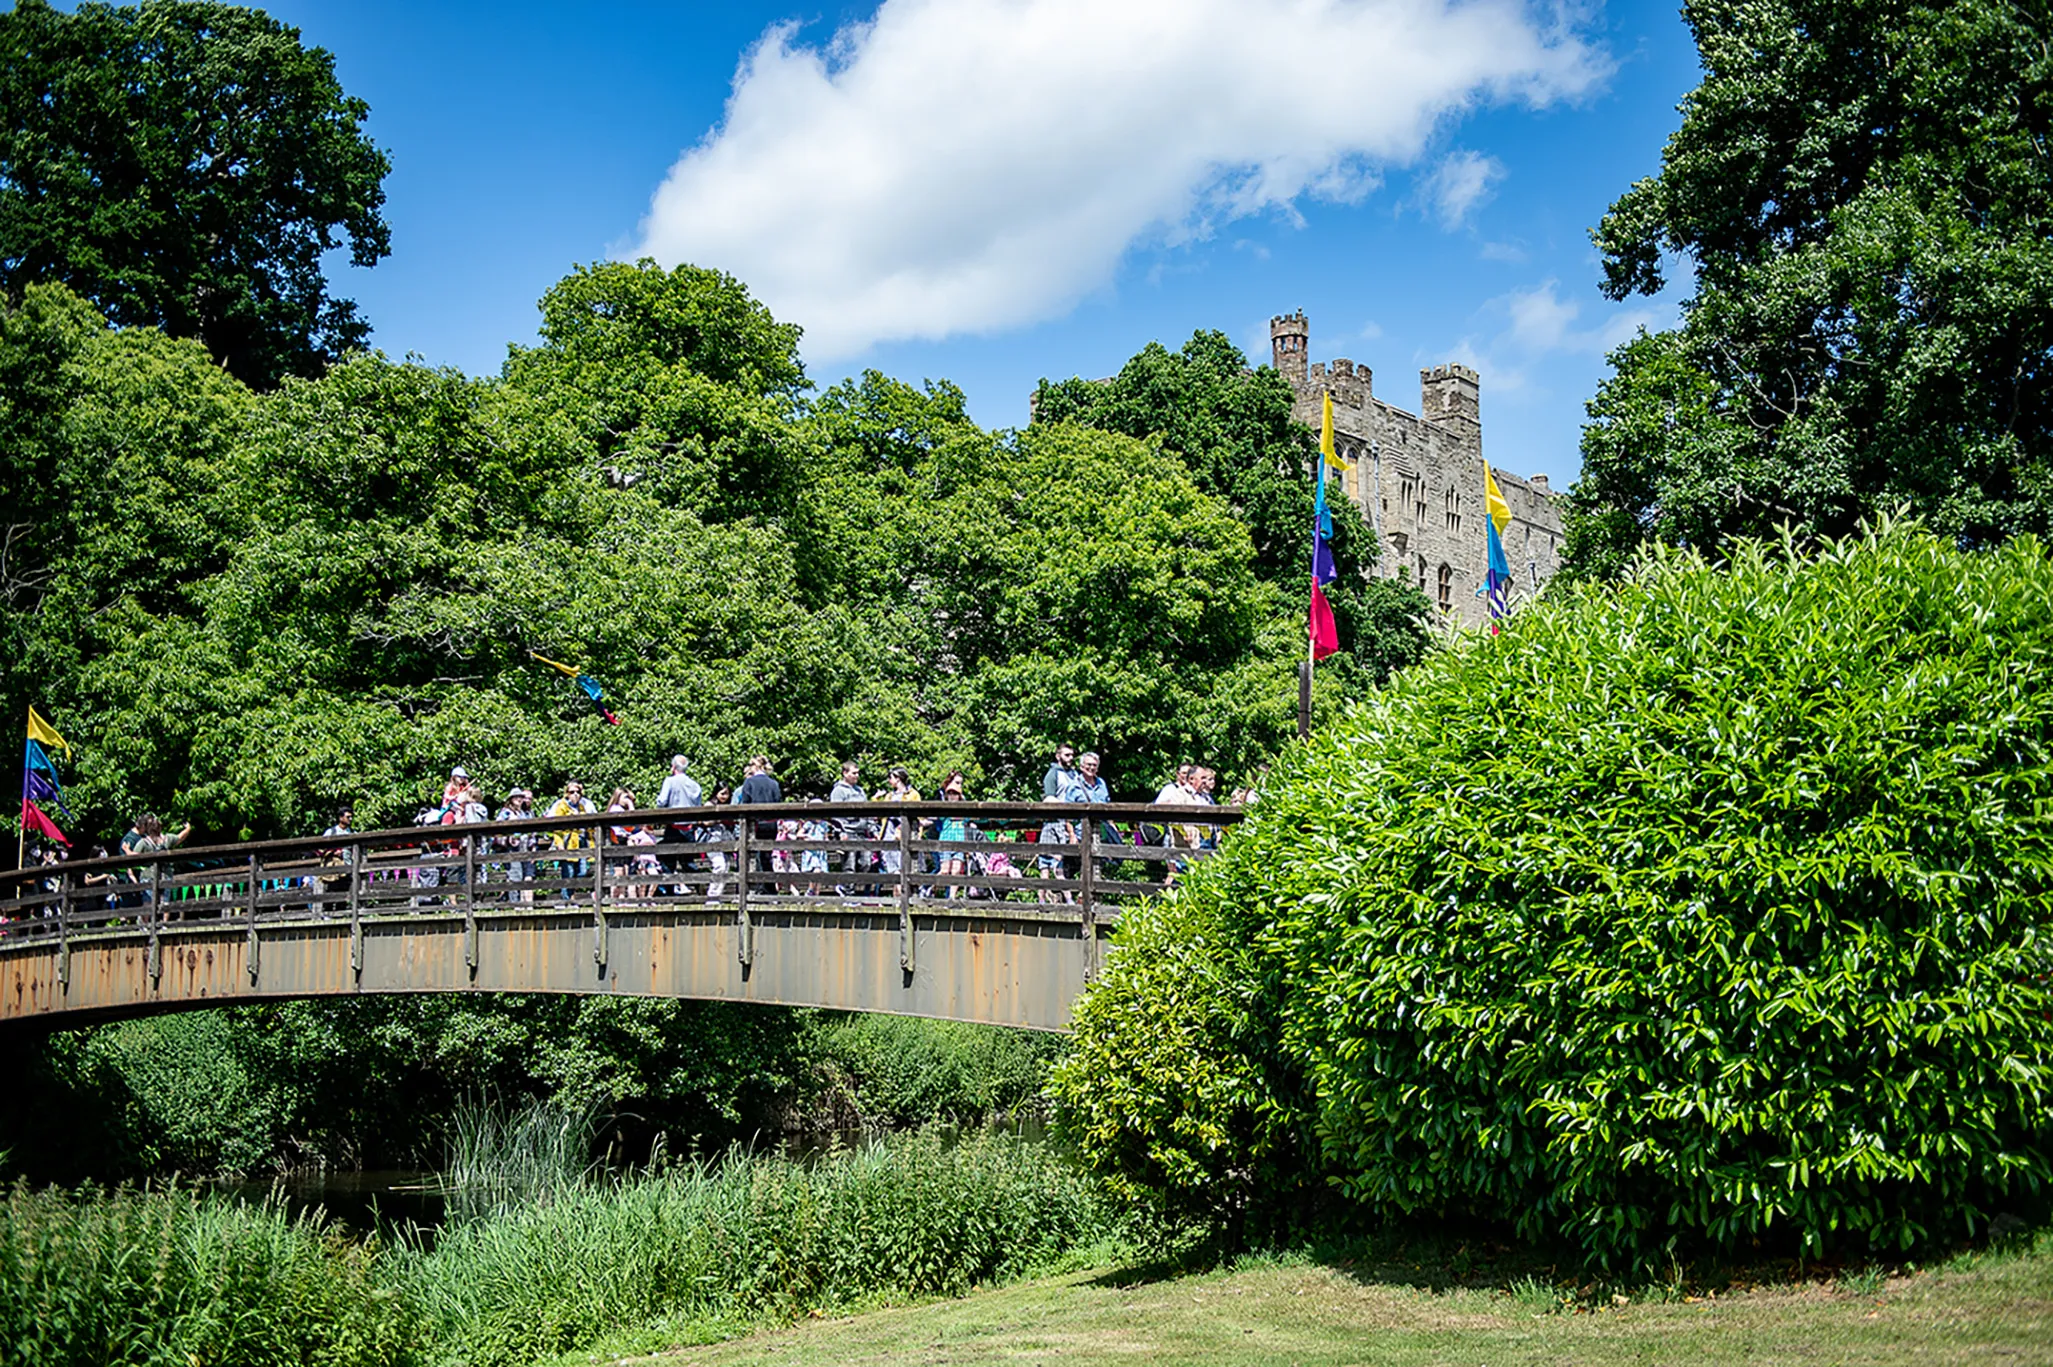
(993, 191)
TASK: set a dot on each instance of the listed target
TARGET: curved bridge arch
(558, 905)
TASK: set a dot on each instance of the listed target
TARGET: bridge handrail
(301, 857)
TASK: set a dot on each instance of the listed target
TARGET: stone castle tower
(1418, 478)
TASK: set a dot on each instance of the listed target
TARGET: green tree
(186, 165)
(675, 381)
(120, 451)
(1061, 583)
(1860, 189)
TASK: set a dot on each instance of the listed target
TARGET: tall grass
(499, 1161)
(93, 1278)
(174, 1277)
(752, 1236)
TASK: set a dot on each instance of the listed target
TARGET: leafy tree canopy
(249, 609)
(186, 165)
(1861, 190)
(677, 381)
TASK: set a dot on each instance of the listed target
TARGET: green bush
(1708, 911)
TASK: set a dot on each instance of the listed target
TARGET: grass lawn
(1982, 1308)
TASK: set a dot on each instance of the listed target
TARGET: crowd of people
(783, 844)
(558, 861)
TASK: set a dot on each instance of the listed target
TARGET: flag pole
(21, 840)
(1304, 666)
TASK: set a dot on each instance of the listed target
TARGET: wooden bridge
(720, 907)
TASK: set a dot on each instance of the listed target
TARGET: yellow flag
(46, 735)
(1493, 501)
(1326, 447)
(544, 659)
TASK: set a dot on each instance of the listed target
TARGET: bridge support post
(744, 867)
(63, 929)
(1087, 839)
(251, 953)
(905, 951)
(470, 906)
(156, 915)
(599, 904)
(356, 911)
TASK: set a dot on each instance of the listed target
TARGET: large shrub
(1701, 912)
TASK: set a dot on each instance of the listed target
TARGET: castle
(1418, 479)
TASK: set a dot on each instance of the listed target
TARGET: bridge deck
(525, 907)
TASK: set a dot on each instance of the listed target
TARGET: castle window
(1453, 510)
(1446, 587)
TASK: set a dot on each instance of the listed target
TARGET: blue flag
(41, 788)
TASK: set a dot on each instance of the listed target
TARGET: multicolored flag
(585, 681)
(1324, 634)
(1497, 578)
(39, 783)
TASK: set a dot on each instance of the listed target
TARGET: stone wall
(1418, 478)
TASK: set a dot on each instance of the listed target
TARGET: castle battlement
(1418, 478)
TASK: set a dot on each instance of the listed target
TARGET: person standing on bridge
(901, 790)
(760, 786)
(849, 788)
(679, 789)
(954, 863)
(341, 855)
(1086, 786)
(1054, 786)
(520, 806)
(572, 803)
(717, 861)
(147, 836)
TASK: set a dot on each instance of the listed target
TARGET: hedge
(1708, 911)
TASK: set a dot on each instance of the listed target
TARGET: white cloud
(1458, 184)
(968, 165)
(1536, 325)
(1542, 322)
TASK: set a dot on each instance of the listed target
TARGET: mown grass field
(1981, 1308)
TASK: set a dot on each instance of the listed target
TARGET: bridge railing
(1023, 861)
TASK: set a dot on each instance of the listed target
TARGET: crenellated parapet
(1418, 477)
(1290, 339)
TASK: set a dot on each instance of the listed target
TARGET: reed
(748, 1237)
(499, 1161)
(173, 1276)
(95, 1277)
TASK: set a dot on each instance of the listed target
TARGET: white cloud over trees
(961, 166)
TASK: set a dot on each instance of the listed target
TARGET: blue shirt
(1081, 789)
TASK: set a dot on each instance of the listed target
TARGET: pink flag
(1325, 635)
(32, 819)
